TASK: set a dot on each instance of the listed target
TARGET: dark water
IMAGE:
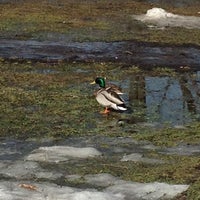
(146, 55)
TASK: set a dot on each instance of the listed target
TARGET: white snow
(12, 190)
(183, 149)
(134, 190)
(157, 13)
(27, 169)
(102, 179)
(87, 195)
(161, 18)
(20, 169)
(118, 190)
(138, 157)
(62, 153)
(148, 191)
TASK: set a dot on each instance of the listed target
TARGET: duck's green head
(100, 81)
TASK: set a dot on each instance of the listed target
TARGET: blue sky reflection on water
(172, 101)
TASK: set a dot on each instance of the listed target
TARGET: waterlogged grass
(171, 136)
(56, 101)
(34, 104)
(41, 99)
(88, 21)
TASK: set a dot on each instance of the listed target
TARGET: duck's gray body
(107, 97)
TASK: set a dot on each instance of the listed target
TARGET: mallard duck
(108, 96)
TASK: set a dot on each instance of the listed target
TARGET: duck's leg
(106, 111)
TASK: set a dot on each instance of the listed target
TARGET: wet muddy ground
(128, 53)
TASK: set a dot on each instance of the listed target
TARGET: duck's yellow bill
(92, 83)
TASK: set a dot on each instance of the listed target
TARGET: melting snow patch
(86, 195)
(137, 157)
(146, 191)
(27, 170)
(118, 190)
(20, 169)
(102, 180)
(13, 190)
(161, 18)
(134, 190)
(182, 149)
(61, 153)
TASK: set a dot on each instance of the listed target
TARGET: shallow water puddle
(164, 99)
(144, 54)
